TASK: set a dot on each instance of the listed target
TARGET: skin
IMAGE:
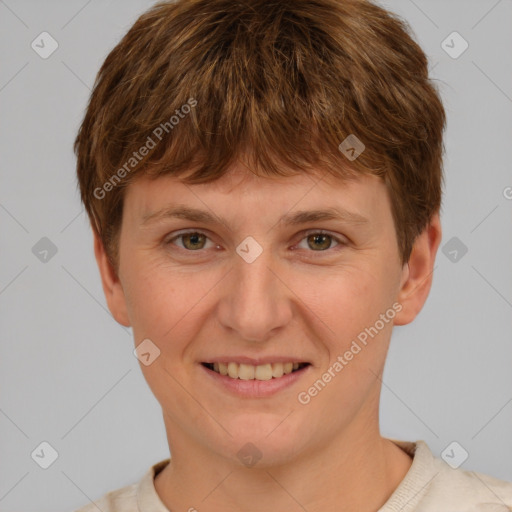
(201, 299)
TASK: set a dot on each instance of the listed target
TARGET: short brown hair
(281, 82)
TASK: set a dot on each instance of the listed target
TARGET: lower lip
(256, 388)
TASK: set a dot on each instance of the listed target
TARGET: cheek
(347, 309)
(152, 299)
(345, 300)
(165, 304)
(346, 320)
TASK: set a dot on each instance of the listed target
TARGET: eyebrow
(290, 219)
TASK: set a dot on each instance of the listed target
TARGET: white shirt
(430, 485)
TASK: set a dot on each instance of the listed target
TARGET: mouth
(263, 372)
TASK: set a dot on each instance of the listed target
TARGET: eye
(192, 240)
(195, 241)
(320, 241)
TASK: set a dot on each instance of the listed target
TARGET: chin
(260, 442)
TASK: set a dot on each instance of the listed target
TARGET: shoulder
(469, 491)
(433, 485)
(132, 498)
(119, 500)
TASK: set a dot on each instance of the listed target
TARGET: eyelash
(339, 241)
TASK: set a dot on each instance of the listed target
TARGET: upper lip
(255, 361)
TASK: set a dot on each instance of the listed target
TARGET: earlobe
(418, 272)
(112, 287)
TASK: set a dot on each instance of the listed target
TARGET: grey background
(67, 372)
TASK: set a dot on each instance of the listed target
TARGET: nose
(256, 303)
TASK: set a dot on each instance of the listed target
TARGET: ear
(112, 287)
(417, 273)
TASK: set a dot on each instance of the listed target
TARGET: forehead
(240, 194)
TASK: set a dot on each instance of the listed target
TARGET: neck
(357, 471)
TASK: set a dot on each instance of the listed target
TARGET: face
(254, 281)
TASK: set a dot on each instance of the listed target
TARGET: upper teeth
(250, 372)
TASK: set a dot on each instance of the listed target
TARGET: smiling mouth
(249, 372)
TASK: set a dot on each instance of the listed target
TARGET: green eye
(192, 241)
(320, 241)
(316, 241)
